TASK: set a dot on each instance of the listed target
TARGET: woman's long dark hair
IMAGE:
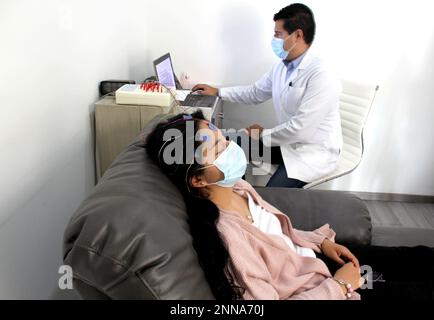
(202, 212)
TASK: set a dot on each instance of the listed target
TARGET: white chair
(355, 103)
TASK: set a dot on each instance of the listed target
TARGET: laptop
(165, 74)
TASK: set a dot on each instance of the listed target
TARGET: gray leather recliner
(129, 239)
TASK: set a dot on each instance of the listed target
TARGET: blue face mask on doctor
(233, 163)
(277, 45)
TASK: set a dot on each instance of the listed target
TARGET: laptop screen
(164, 71)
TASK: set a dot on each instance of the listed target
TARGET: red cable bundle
(151, 86)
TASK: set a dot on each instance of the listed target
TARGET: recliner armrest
(347, 214)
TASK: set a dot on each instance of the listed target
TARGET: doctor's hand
(205, 89)
(255, 131)
(336, 252)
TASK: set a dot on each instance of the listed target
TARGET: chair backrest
(127, 240)
(354, 104)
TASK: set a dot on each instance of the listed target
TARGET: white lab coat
(307, 109)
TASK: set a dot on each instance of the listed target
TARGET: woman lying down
(248, 249)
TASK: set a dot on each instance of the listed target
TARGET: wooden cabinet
(116, 126)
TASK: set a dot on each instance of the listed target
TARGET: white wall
(53, 55)
(380, 42)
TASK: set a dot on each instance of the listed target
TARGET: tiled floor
(393, 214)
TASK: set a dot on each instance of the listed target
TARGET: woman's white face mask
(232, 162)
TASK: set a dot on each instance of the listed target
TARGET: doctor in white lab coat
(307, 141)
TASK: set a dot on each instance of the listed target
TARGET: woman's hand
(350, 274)
(336, 252)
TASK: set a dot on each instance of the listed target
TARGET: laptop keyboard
(199, 101)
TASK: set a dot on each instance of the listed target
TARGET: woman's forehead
(206, 134)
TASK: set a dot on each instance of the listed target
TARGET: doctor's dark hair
(298, 16)
(202, 212)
